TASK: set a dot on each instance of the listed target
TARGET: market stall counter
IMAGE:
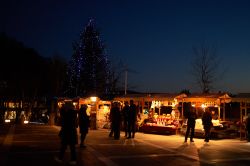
(160, 126)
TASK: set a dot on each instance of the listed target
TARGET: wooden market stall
(159, 112)
(213, 101)
(216, 103)
(98, 109)
(244, 102)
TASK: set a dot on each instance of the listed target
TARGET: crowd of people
(70, 119)
(123, 118)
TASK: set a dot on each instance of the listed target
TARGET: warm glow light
(93, 99)
(88, 110)
(7, 121)
(175, 103)
(105, 109)
(193, 105)
(26, 122)
(203, 105)
(156, 104)
(60, 104)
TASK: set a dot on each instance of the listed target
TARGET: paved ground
(35, 145)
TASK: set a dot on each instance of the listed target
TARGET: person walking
(84, 122)
(207, 124)
(125, 111)
(192, 116)
(116, 119)
(132, 119)
(68, 132)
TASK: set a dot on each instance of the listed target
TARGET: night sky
(154, 38)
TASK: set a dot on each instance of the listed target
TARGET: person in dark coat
(68, 132)
(132, 119)
(116, 119)
(125, 111)
(192, 116)
(248, 127)
(111, 133)
(84, 123)
(207, 124)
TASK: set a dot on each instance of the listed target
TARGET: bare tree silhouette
(205, 67)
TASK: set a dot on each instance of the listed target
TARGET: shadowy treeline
(26, 75)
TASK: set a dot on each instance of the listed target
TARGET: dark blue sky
(154, 38)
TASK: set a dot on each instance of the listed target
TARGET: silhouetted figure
(132, 119)
(84, 123)
(192, 116)
(111, 133)
(207, 124)
(248, 127)
(68, 132)
(116, 119)
(125, 112)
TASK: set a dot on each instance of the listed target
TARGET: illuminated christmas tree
(89, 69)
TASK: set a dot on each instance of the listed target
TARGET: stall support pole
(219, 112)
(240, 124)
(182, 110)
(224, 110)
